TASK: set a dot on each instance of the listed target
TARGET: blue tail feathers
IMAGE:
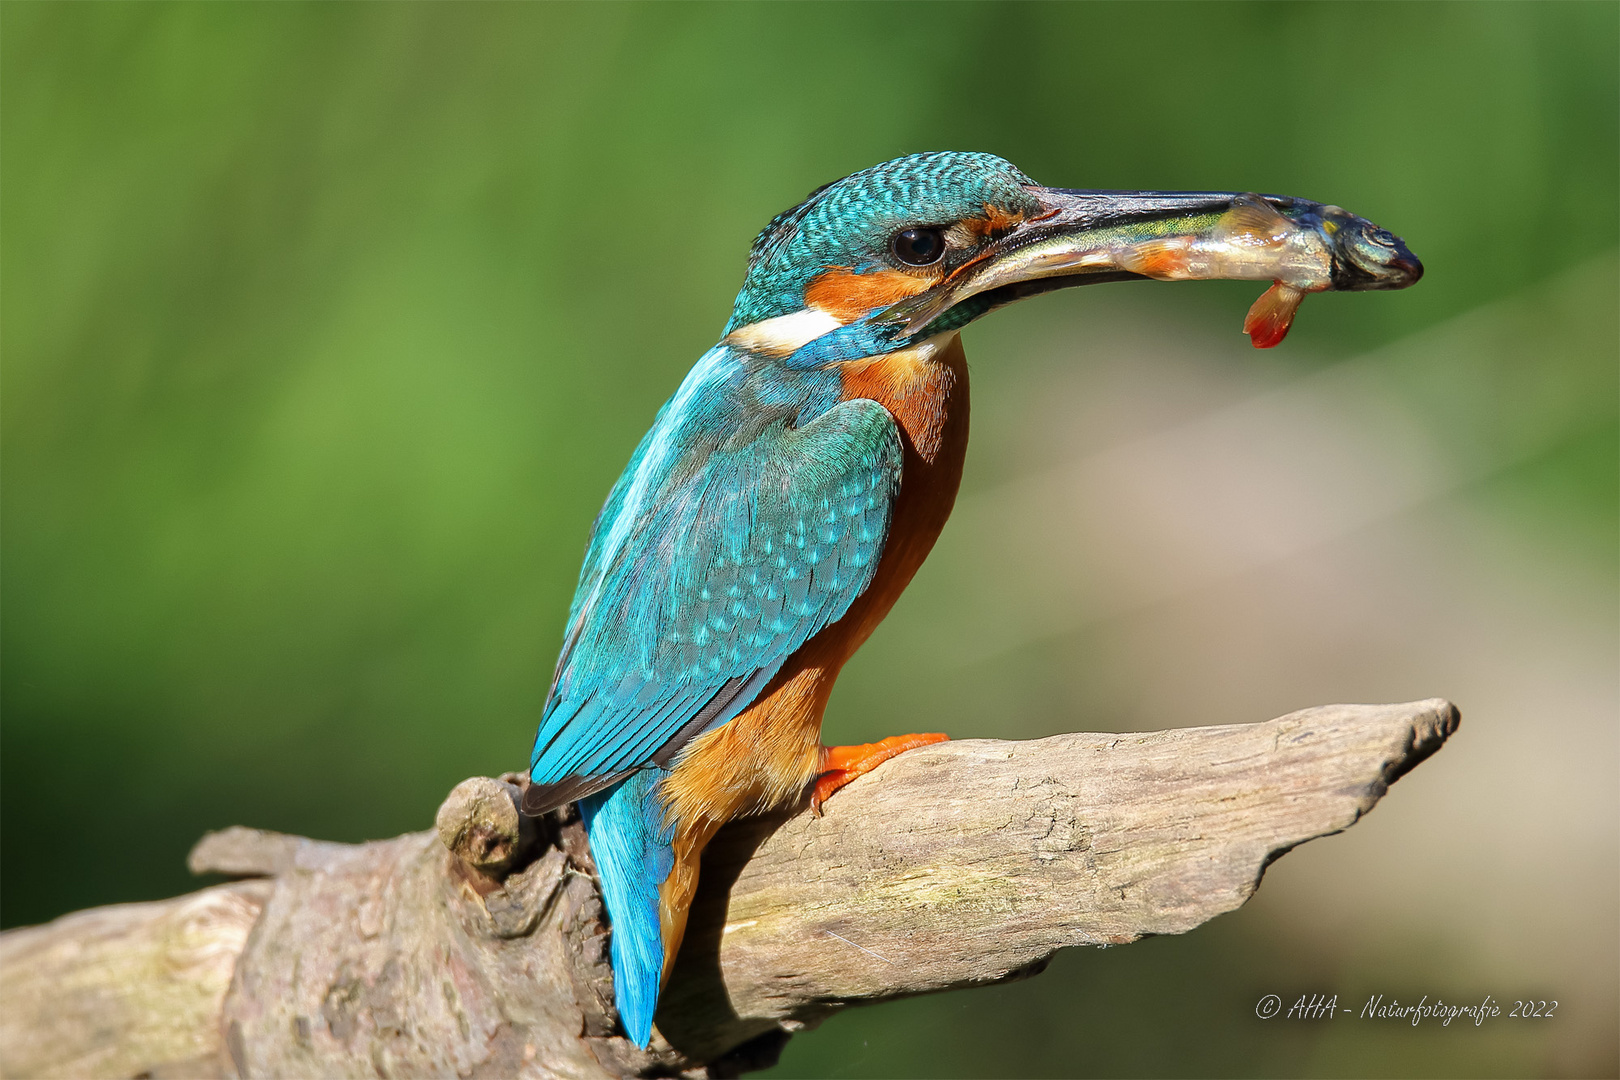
(631, 846)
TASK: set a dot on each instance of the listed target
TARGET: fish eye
(918, 247)
(1384, 237)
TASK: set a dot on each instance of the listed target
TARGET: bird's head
(881, 235)
(926, 243)
(859, 245)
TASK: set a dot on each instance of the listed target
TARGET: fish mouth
(1084, 237)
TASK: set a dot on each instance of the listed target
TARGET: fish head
(1366, 256)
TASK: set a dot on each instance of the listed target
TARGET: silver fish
(1086, 236)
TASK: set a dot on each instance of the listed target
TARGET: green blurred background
(326, 329)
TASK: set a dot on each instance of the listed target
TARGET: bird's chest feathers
(925, 389)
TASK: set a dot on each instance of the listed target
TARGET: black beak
(1066, 244)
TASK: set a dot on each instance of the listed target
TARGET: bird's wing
(729, 565)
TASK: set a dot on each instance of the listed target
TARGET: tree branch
(480, 949)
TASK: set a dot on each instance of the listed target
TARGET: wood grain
(955, 865)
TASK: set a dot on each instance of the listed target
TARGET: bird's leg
(841, 764)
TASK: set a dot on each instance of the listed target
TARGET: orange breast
(928, 397)
(767, 754)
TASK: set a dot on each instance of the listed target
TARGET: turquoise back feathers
(730, 540)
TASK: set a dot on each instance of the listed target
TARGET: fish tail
(631, 844)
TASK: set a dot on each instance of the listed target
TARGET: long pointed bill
(1091, 236)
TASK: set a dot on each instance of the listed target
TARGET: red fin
(1269, 319)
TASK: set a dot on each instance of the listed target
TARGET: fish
(1300, 246)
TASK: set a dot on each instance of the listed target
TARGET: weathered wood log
(479, 949)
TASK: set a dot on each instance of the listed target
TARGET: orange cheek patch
(847, 296)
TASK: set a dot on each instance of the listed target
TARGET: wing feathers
(742, 552)
(543, 798)
(695, 726)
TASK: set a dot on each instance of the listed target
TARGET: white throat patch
(783, 335)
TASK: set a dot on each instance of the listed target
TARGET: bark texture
(479, 948)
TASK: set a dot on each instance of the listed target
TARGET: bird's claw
(841, 764)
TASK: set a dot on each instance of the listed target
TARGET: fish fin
(1253, 222)
(631, 845)
(1163, 259)
(1270, 316)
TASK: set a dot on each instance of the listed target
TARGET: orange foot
(841, 764)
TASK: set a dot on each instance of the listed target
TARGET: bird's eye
(918, 247)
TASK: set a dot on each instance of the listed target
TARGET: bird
(785, 496)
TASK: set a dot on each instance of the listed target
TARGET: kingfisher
(792, 486)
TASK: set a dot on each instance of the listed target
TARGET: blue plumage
(731, 538)
(631, 846)
(737, 532)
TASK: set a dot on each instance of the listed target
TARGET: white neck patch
(783, 335)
